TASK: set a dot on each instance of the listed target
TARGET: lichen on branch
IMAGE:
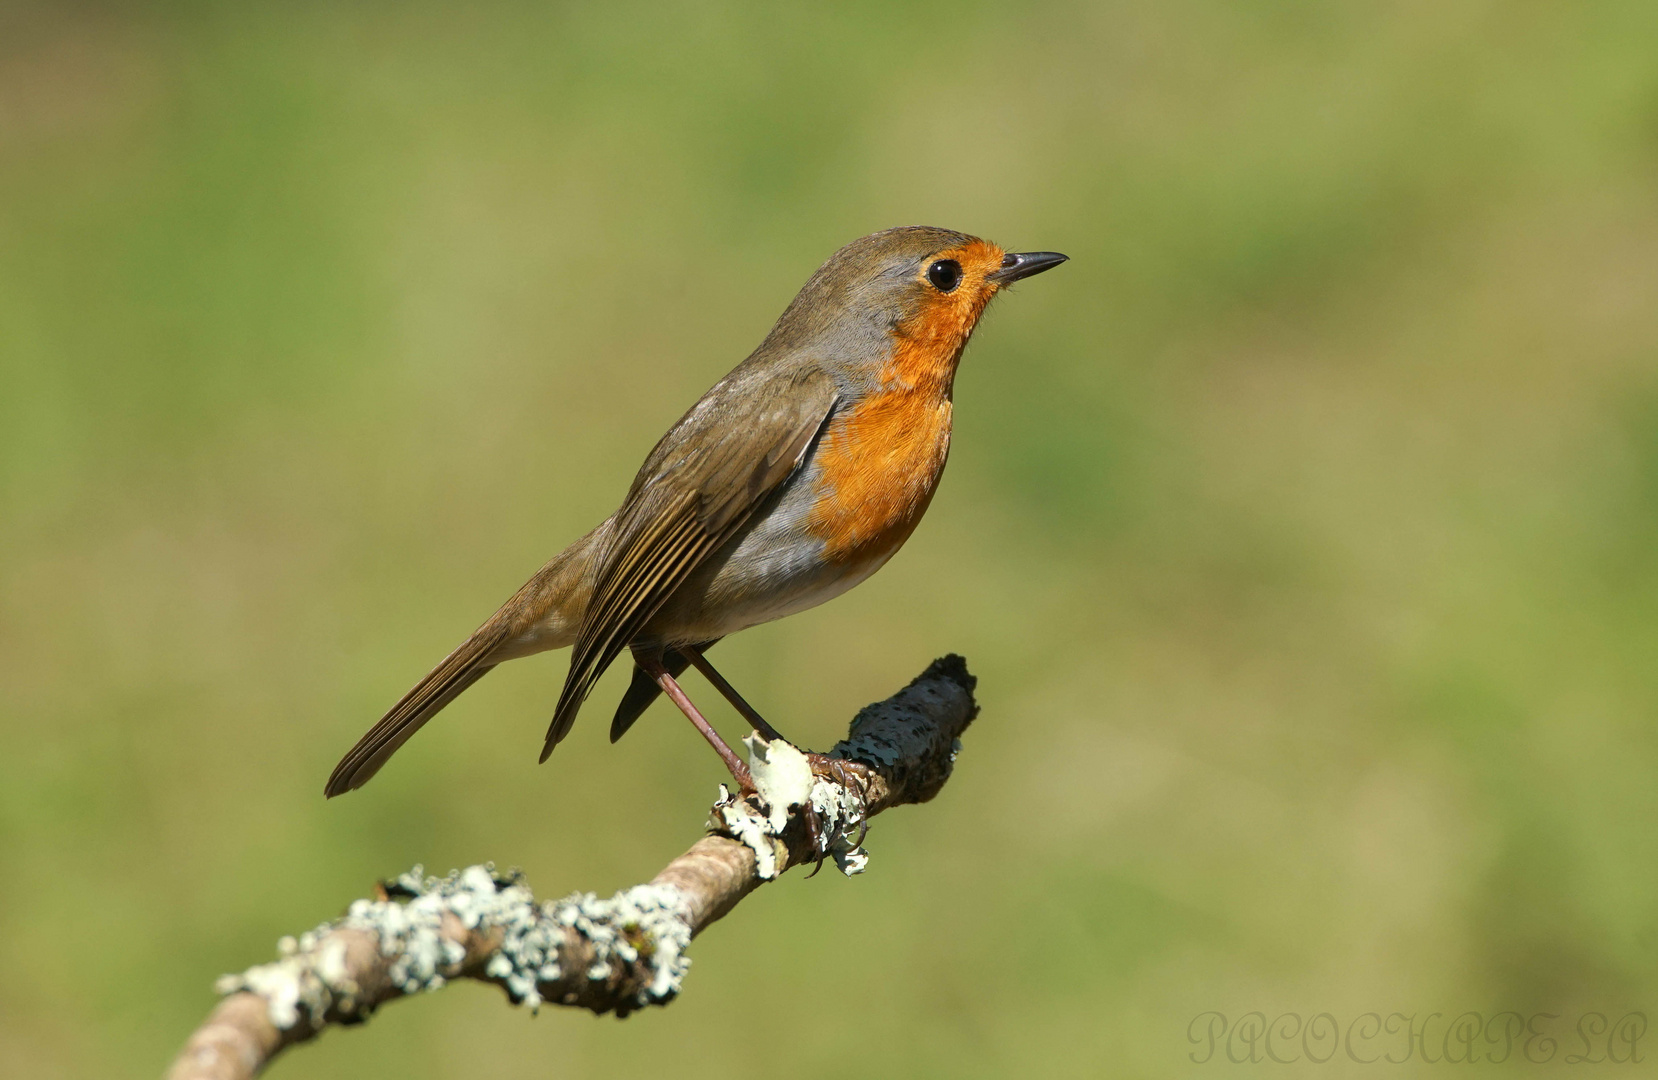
(615, 954)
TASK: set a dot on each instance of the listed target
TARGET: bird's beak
(1023, 264)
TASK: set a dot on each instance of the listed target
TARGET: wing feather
(696, 490)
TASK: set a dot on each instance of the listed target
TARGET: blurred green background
(1303, 531)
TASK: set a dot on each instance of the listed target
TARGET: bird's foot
(784, 785)
(824, 840)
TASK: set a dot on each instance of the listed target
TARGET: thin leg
(653, 667)
(700, 662)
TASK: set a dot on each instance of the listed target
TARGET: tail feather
(529, 622)
(459, 670)
(642, 691)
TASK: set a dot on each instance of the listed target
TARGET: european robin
(795, 478)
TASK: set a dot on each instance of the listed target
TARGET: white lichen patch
(783, 781)
(737, 819)
(782, 777)
(840, 814)
(288, 986)
(648, 926)
(648, 923)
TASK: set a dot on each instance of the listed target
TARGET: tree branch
(608, 955)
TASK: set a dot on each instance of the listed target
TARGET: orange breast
(879, 464)
(880, 461)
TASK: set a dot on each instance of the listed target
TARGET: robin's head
(917, 285)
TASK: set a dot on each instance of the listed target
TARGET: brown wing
(697, 488)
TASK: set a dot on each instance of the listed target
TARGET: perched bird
(796, 477)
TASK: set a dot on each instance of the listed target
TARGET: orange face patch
(930, 342)
(881, 460)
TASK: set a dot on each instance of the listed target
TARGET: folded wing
(699, 486)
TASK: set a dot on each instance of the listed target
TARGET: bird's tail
(541, 615)
(643, 689)
(459, 670)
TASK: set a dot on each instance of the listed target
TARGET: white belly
(773, 568)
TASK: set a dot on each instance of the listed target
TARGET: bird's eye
(944, 274)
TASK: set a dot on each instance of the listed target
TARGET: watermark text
(1372, 1038)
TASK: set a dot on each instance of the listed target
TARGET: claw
(836, 770)
(814, 836)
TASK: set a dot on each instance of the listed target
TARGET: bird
(794, 478)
